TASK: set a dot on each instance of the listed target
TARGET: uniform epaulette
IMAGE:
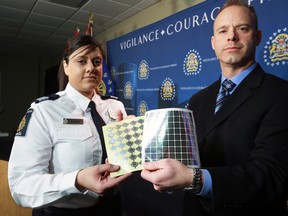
(49, 97)
(105, 97)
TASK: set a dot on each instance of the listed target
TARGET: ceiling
(41, 27)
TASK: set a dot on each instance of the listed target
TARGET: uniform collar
(80, 99)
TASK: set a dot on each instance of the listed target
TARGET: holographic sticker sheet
(123, 144)
(170, 133)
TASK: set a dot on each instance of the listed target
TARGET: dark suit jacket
(244, 146)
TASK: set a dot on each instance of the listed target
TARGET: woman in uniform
(56, 163)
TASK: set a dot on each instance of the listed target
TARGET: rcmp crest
(276, 49)
(142, 108)
(192, 63)
(167, 90)
(143, 70)
(128, 90)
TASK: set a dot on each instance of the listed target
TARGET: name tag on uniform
(72, 121)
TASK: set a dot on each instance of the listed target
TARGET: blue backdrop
(163, 64)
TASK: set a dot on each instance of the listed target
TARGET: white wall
(146, 17)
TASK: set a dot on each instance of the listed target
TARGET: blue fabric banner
(163, 64)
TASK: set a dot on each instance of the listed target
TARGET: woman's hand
(120, 116)
(97, 178)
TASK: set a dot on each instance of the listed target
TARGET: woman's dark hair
(71, 45)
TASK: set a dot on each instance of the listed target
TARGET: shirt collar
(78, 98)
(239, 77)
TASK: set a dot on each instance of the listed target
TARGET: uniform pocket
(74, 132)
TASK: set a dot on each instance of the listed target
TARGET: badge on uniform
(22, 128)
(72, 121)
(112, 114)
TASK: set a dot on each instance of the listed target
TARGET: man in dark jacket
(242, 127)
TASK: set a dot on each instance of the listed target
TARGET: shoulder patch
(22, 128)
(49, 97)
(105, 97)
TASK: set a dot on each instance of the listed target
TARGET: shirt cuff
(206, 191)
(68, 183)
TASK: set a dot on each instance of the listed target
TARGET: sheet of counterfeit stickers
(161, 133)
(123, 144)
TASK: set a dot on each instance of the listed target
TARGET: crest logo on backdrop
(142, 108)
(128, 90)
(143, 71)
(192, 63)
(167, 89)
(276, 49)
